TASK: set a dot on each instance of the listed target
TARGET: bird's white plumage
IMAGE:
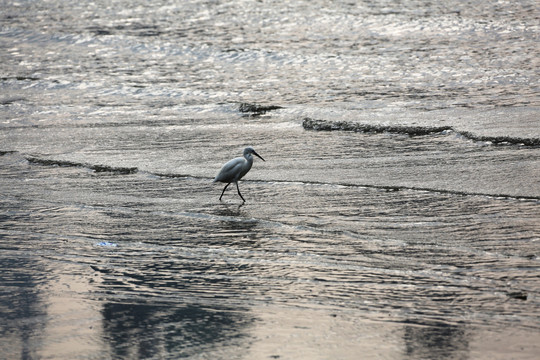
(235, 169)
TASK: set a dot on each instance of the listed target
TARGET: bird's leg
(223, 192)
(237, 188)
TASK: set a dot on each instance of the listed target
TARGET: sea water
(397, 214)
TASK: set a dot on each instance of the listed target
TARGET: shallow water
(411, 230)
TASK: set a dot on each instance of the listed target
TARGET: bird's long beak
(259, 156)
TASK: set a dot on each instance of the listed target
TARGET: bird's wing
(230, 170)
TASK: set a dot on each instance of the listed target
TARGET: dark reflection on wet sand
(437, 341)
(21, 306)
(147, 330)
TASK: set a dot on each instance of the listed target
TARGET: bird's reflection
(237, 226)
(230, 209)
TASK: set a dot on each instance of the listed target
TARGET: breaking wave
(325, 125)
(256, 109)
(97, 168)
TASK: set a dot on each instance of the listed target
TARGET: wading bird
(235, 169)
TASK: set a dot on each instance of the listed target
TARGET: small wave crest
(325, 125)
(256, 109)
(6, 152)
(96, 168)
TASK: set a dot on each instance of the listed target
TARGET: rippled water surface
(397, 214)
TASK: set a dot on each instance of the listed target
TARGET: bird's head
(249, 150)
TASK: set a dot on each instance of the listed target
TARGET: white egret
(235, 169)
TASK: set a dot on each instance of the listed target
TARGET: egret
(235, 169)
